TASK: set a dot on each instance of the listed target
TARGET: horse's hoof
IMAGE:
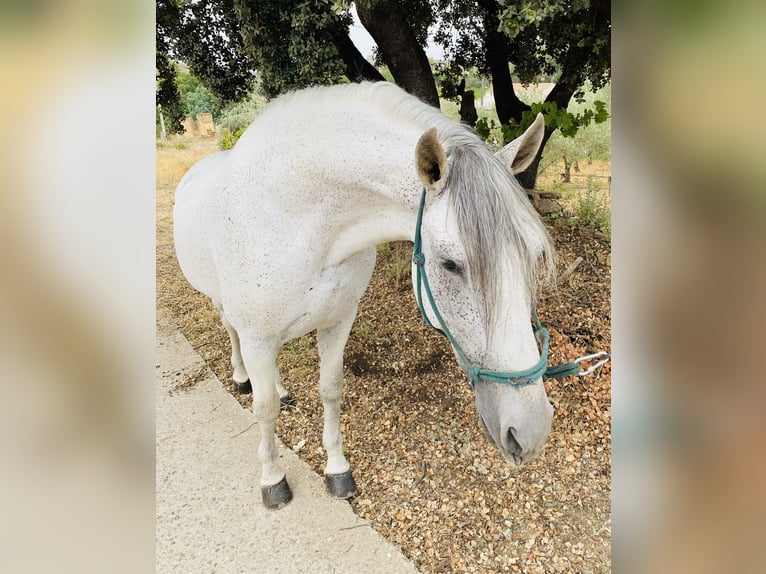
(244, 388)
(286, 402)
(340, 485)
(277, 495)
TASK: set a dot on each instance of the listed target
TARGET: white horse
(280, 233)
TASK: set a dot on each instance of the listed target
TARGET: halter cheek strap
(476, 372)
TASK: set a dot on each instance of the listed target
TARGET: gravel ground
(429, 480)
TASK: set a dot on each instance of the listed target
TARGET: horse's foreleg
(259, 361)
(285, 400)
(330, 343)
(240, 376)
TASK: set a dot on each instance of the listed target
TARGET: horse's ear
(430, 160)
(518, 154)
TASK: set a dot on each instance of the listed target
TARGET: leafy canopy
(292, 42)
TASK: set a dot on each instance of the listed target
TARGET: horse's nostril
(511, 445)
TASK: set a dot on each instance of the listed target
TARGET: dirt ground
(429, 480)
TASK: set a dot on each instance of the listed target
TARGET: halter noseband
(476, 372)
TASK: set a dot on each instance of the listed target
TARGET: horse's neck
(378, 198)
(386, 221)
(354, 180)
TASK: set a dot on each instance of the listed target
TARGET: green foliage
(167, 96)
(400, 269)
(292, 42)
(207, 37)
(596, 140)
(186, 82)
(241, 114)
(591, 140)
(229, 138)
(566, 122)
(594, 210)
(447, 80)
(563, 41)
(396, 258)
(486, 128)
(201, 101)
(364, 331)
(582, 131)
(572, 37)
(568, 40)
(570, 149)
(194, 97)
(235, 119)
(517, 16)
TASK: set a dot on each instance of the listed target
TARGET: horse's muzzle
(509, 446)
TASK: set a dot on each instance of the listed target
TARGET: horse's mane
(494, 217)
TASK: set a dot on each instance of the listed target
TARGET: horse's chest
(285, 303)
(331, 296)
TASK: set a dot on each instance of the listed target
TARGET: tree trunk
(399, 48)
(528, 177)
(561, 94)
(567, 175)
(358, 69)
(497, 56)
(468, 113)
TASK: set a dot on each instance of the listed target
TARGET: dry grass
(177, 155)
(194, 313)
(587, 198)
(429, 480)
(594, 176)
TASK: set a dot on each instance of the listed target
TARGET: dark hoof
(286, 402)
(277, 495)
(244, 388)
(340, 485)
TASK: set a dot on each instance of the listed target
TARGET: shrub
(201, 101)
(229, 138)
(593, 209)
(236, 117)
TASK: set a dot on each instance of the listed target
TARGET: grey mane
(496, 220)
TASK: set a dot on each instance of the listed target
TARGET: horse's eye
(451, 266)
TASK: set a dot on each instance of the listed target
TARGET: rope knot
(473, 374)
(418, 259)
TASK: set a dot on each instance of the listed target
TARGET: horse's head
(482, 242)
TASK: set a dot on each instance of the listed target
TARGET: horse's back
(205, 171)
(192, 222)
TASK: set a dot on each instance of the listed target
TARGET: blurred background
(689, 278)
(77, 286)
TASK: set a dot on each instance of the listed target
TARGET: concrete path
(209, 514)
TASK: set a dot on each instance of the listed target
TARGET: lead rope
(474, 371)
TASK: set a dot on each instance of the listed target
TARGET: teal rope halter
(474, 371)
